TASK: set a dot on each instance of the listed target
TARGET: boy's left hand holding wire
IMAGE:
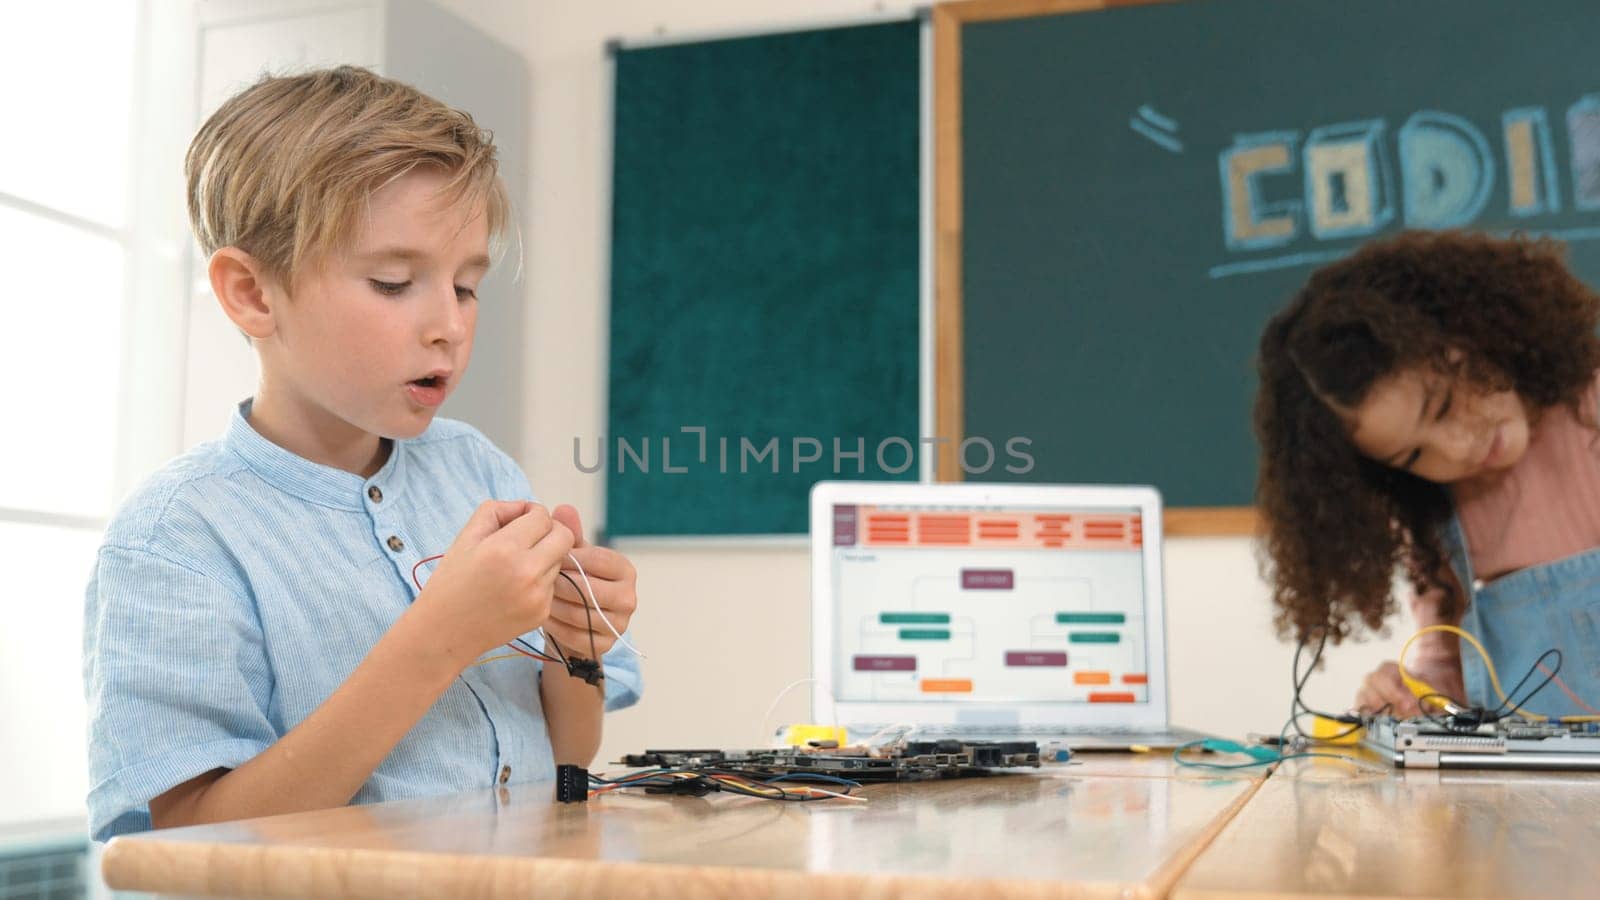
(573, 623)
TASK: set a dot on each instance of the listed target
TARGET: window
(90, 408)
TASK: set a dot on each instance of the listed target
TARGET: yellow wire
(1421, 688)
(491, 659)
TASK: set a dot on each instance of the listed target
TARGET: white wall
(708, 681)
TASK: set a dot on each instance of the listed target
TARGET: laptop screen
(988, 604)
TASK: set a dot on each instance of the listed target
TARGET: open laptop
(990, 612)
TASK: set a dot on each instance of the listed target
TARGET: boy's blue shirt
(242, 584)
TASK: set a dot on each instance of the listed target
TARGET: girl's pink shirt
(1547, 506)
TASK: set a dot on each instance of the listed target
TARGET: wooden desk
(1112, 826)
(1315, 830)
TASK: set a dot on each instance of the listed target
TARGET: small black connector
(1470, 718)
(572, 784)
(587, 669)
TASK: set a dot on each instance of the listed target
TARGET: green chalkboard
(1143, 186)
(764, 277)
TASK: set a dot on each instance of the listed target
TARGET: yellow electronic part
(1421, 689)
(1331, 731)
(800, 735)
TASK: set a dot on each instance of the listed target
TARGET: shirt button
(375, 494)
(505, 774)
(395, 543)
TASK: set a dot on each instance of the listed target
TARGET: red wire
(429, 559)
(419, 565)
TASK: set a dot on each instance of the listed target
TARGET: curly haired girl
(1429, 405)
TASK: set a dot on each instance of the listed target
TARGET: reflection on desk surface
(1056, 827)
(1415, 833)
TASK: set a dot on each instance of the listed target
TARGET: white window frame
(157, 255)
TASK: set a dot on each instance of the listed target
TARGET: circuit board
(1510, 743)
(908, 761)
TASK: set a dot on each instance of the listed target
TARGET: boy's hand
(614, 582)
(497, 580)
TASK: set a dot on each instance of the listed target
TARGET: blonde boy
(254, 643)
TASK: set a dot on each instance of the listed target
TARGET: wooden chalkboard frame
(948, 20)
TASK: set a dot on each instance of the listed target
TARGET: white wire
(812, 787)
(778, 699)
(896, 735)
(599, 612)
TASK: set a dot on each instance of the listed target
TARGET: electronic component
(587, 669)
(909, 761)
(572, 784)
(1506, 743)
(800, 735)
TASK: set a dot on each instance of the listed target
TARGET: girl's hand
(1383, 687)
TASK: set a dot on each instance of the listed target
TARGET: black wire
(1299, 680)
(544, 656)
(703, 776)
(643, 779)
(588, 616)
(1463, 723)
(1303, 679)
(561, 656)
(1469, 720)
(1299, 708)
(1297, 683)
(552, 639)
(1508, 705)
(760, 779)
(637, 776)
(1352, 727)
